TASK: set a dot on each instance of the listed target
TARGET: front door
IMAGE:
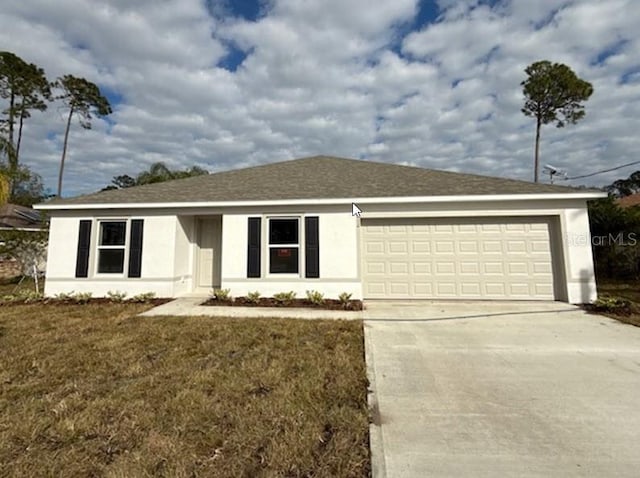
(209, 241)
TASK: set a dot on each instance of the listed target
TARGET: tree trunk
(537, 153)
(12, 102)
(64, 151)
(12, 160)
(19, 138)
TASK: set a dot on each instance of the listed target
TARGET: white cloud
(328, 77)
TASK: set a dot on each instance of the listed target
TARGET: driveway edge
(378, 464)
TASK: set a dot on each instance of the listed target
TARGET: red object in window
(284, 252)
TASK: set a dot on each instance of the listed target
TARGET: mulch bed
(328, 304)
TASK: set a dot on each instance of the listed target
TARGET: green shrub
(615, 305)
(8, 298)
(315, 297)
(284, 298)
(29, 295)
(143, 298)
(222, 294)
(64, 295)
(116, 296)
(253, 297)
(81, 297)
(344, 298)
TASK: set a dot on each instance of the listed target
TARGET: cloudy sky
(230, 83)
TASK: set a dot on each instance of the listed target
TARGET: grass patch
(630, 291)
(13, 285)
(92, 390)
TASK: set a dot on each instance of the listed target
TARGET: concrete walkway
(190, 306)
(486, 389)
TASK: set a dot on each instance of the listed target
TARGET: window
(111, 247)
(284, 245)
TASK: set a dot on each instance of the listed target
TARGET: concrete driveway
(502, 389)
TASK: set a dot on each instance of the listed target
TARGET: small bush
(30, 295)
(8, 298)
(143, 298)
(614, 305)
(116, 296)
(315, 297)
(284, 298)
(344, 298)
(81, 297)
(64, 295)
(253, 297)
(222, 294)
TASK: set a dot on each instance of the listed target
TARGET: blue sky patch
(630, 76)
(250, 10)
(233, 59)
(608, 52)
(115, 97)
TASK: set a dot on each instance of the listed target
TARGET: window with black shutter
(253, 252)
(84, 244)
(311, 247)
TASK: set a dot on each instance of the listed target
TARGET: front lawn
(95, 391)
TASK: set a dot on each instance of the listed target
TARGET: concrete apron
(423, 310)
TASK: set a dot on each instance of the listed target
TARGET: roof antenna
(552, 171)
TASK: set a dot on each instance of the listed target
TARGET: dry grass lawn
(95, 391)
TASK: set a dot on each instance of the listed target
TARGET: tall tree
(27, 88)
(83, 99)
(625, 187)
(553, 94)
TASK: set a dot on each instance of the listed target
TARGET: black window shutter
(312, 247)
(135, 248)
(253, 254)
(84, 243)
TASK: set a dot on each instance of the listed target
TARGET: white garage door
(504, 258)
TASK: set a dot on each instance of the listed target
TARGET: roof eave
(333, 201)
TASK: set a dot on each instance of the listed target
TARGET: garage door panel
(471, 258)
(470, 289)
(374, 247)
(444, 247)
(399, 289)
(398, 247)
(472, 268)
(419, 246)
(375, 268)
(401, 268)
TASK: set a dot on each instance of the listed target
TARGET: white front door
(209, 239)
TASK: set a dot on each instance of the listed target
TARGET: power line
(603, 171)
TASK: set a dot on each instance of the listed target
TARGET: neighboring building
(629, 201)
(422, 234)
(14, 217)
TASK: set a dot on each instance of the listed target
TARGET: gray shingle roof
(318, 177)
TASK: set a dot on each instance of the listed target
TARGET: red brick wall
(9, 268)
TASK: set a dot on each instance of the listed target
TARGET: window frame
(298, 246)
(98, 247)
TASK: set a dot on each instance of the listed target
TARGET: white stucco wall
(184, 255)
(578, 256)
(169, 247)
(161, 235)
(338, 238)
